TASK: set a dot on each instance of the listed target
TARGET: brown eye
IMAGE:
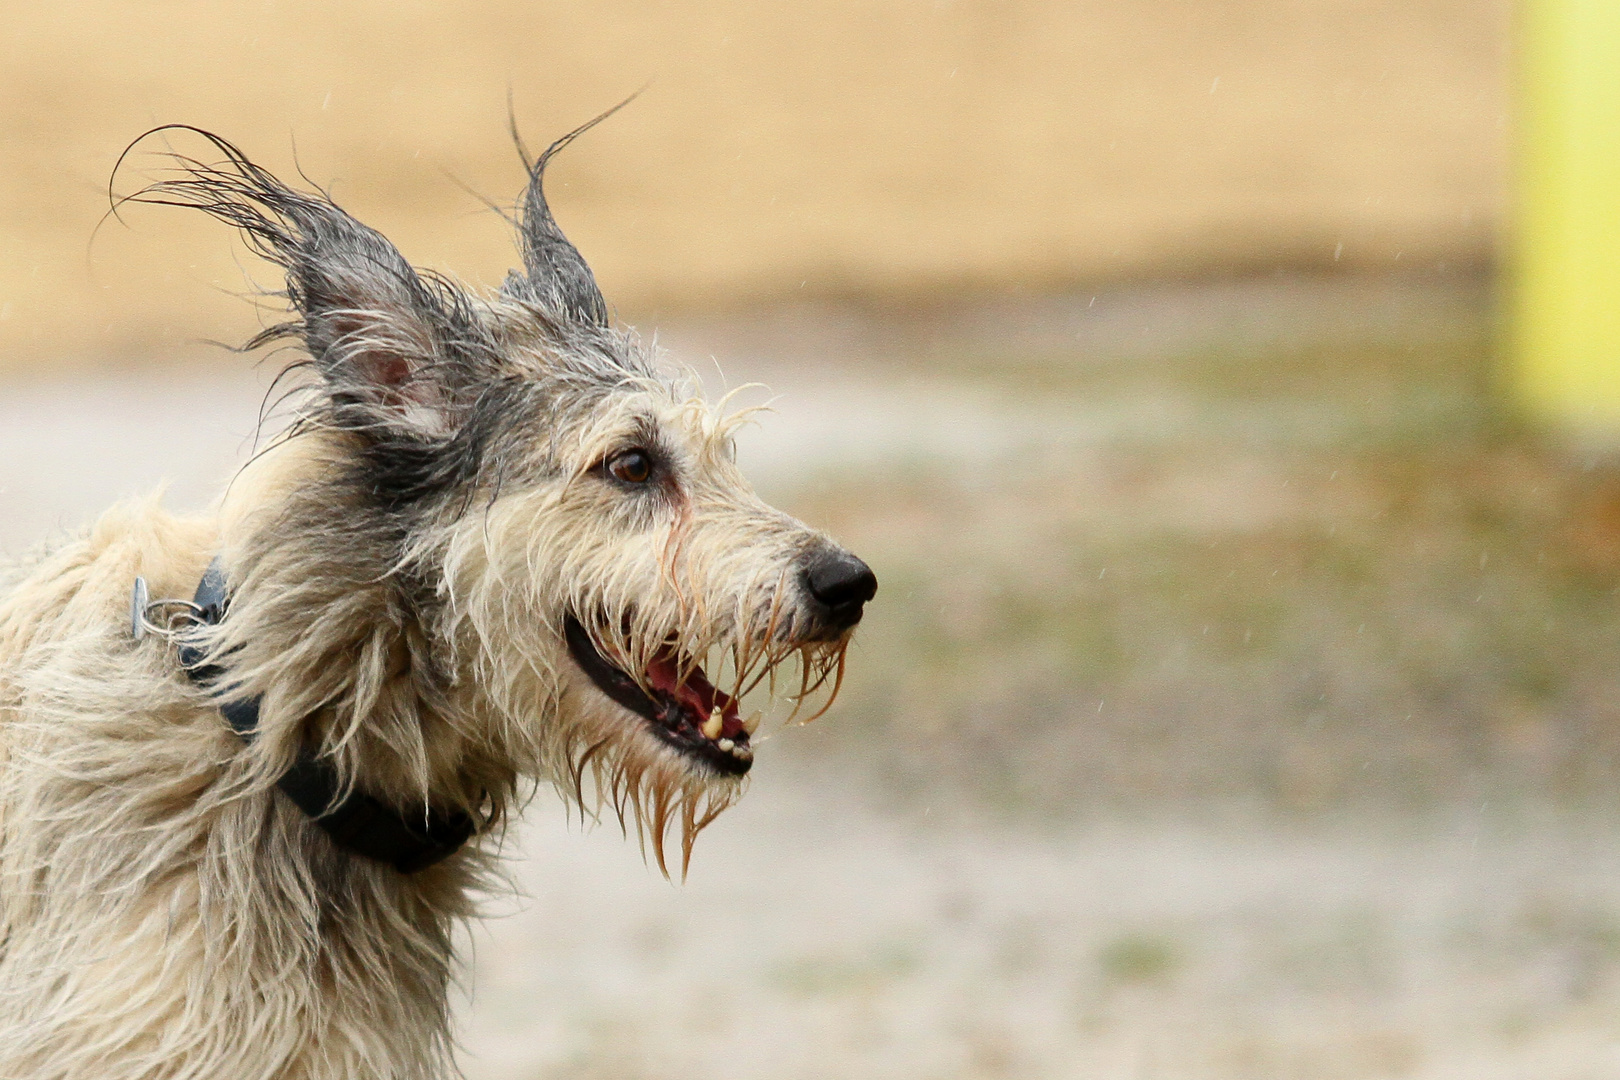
(632, 466)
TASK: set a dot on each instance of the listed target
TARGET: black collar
(357, 822)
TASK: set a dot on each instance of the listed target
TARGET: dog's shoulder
(79, 585)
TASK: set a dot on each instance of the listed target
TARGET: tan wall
(867, 147)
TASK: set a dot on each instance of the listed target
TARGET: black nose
(840, 583)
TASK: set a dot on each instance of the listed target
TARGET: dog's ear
(381, 334)
(556, 277)
(395, 347)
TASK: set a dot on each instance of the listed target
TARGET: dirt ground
(1237, 704)
(818, 937)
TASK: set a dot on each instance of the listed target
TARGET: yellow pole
(1565, 299)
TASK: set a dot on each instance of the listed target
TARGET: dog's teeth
(713, 725)
(751, 724)
(726, 744)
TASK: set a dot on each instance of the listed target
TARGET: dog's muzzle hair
(497, 547)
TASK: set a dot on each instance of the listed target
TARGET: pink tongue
(695, 695)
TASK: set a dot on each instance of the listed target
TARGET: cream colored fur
(402, 567)
(167, 914)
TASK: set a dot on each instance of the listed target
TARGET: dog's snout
(839, 583)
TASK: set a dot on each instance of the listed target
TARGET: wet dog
(498, 547)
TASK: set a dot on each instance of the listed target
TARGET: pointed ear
(378, 333)
(395, 347)
(556, 277)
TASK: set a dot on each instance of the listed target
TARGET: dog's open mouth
(690, 714)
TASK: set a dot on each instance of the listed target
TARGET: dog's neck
(344, 640)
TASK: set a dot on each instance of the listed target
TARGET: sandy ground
(827, 931)
(818, 938)
(830, 148)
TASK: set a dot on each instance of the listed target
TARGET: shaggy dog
(498, 547)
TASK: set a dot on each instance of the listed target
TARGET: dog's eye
(632, 466)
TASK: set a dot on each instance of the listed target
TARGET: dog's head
(595, 583)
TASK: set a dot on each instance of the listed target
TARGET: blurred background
(1222, 391)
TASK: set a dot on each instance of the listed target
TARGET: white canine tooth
(713, 725)
(751, 724)
(726, 744)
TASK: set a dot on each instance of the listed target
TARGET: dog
(254, 765)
